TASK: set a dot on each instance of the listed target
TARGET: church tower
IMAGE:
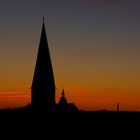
(43, 85)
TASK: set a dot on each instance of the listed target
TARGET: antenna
(118, 107)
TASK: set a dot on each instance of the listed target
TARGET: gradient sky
(94, 45)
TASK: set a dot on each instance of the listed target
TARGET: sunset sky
(94, 46)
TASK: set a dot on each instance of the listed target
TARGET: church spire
(43, 85)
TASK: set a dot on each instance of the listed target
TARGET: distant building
(43, 85)
(63, 100)
(64, 106)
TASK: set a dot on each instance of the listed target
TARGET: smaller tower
(63, 100)
(64, 106)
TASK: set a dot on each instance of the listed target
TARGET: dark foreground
(78, 125)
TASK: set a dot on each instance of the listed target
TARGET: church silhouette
(43, 85)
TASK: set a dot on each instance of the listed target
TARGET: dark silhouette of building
(64, 106)
(43, 85)
(63, 100)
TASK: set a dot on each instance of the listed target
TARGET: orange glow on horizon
(14, 99)
(103, 100)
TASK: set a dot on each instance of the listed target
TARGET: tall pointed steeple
(43, 85)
